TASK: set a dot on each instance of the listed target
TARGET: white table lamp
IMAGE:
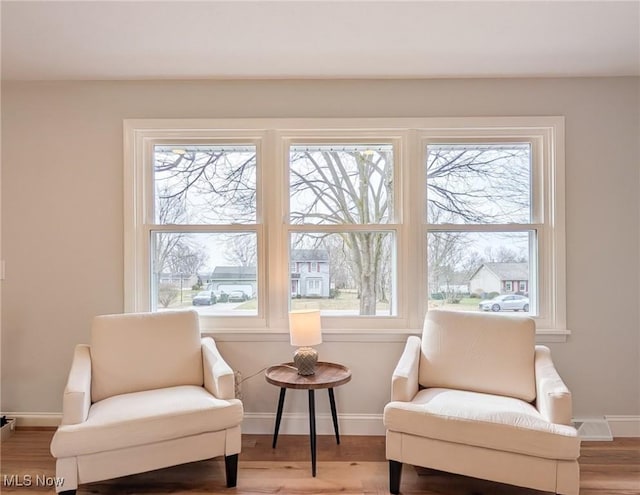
(305, 331)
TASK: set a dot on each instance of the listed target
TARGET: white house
(230, 278)
(505, 278)
(310, 274)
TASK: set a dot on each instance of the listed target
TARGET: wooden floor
(356, 466)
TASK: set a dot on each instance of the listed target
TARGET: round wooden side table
(327, 375)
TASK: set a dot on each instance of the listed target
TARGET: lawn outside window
(372, 221)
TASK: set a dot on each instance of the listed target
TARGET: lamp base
(305, 359)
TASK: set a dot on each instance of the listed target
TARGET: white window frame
(409, 137)
(547, 263)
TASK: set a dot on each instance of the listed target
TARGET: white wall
(62, 221)
(485, 281)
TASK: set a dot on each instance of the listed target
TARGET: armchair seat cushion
(147, 417)
(489, 421)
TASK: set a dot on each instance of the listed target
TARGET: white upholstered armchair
(476, 396)
(148, 393)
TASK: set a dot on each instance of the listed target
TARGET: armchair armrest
(76, 400)
(404, 382)
(219, 379)
(553, 397)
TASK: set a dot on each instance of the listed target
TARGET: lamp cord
(260, 371)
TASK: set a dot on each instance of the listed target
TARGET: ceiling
(108, 40)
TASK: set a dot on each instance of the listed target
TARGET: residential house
(178, 280)
(504, 278)
(310, 273)
(230, 278)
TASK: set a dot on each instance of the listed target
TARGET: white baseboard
(350, 424)
(298, 424)
(40, 420)
(254, 423)
(624, 426)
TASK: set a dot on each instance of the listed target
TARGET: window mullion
(412, 246)
(273, 187)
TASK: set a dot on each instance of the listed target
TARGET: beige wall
(62, 220)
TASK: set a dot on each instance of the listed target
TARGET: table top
(327, 375)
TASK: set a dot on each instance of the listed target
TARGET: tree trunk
(368, 276)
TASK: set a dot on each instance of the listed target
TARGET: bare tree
(503, 255)
(199, 185)
(338, 256)
(473, 184)
(174, 252)
(169, 209)
(186, 260)
(353, 185)
(479, 183)
(347, 187)
(446, 250)
(167, 295)
(216, 184)
(241, 250)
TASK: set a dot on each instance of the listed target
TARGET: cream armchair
(476, 396)
(147, 394)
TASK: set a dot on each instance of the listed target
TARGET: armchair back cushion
(487, 353)
(144, 351)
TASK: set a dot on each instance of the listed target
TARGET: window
(480, 217)
(314, 287)
(199, 227)
(340, 211)
(371, 221)
(211, 186)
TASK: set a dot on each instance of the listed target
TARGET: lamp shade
(304, 328)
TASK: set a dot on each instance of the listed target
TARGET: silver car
(238, 296)
(506, 302)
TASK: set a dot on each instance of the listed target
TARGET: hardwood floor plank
(356, 466)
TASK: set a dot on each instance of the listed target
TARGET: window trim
(546, 135)
(409, 134)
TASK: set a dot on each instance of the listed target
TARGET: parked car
(204, 298)
(506, 302)
(221, 296)
(238, 296)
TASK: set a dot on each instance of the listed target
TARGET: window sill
(551, 335)
(543, 336)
